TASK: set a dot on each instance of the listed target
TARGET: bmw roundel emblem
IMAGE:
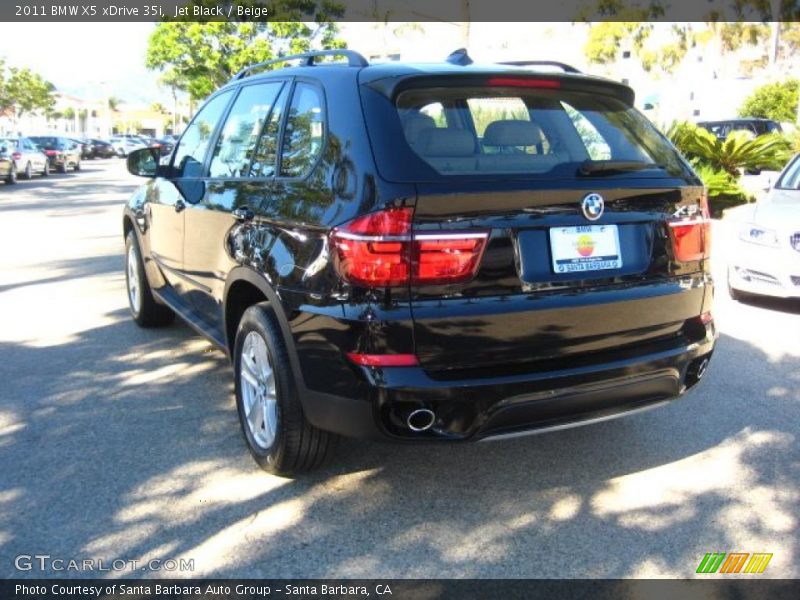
(593, 206)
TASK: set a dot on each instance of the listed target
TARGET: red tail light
(16, 155)
(379, 250)
(691, 238)
(383, 360)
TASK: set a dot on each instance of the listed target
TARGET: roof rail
(541, 63)
(354, 59)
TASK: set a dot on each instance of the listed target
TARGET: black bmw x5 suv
(426, 252)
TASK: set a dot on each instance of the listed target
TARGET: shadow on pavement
(125, 444)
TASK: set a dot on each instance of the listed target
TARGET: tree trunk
(775, 31)
(465, 24)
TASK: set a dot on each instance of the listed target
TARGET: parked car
(125, 144)
(62, 152)
(756, 127)
(164, 145)
(8, 170)
(425, 253)
(102, 148)
(23, 158)
(766, 260)
(85, 147)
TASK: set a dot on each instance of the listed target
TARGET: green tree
(23, 91)
(113, 103)
(606, 39)
(738, 151)
(776, 101)
(199, 57)
(719, 163)
(4, 100)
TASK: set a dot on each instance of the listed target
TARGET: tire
(28, 173)
(46, 169)
(294, 445)
(11, 178)
(78, 165)
(144, 309)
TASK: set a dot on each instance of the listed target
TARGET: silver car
(125, 144)
(766, 260)
(22, 158)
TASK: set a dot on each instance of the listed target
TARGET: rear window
(492, 132)
(46, 142)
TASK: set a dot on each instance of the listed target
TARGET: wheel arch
(244, 287)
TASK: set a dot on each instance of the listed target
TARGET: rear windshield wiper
(602, 167)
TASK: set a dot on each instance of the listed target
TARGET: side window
(266, 154)
(237, 141)
(596, 145)
(302, 137)
(191, 150)
(435, 111)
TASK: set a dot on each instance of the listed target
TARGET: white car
(124, 145)
(766, 260)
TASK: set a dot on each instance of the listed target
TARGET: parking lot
(123, 443)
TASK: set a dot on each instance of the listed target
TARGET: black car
(164, 145)
(102, 149)
(62, 152)
(437, 253)
(85, 146)
(754, 126)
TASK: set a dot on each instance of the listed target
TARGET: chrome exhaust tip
(421, 419)
(701, 369)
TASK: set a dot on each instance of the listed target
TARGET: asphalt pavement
(118, 443)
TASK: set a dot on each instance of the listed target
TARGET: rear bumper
(510, 405)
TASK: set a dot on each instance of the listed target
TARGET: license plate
(585, 248)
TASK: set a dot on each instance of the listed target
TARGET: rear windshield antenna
(459, 57)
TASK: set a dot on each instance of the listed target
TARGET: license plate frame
(585, 249)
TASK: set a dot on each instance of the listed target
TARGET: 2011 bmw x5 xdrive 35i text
(435, 252)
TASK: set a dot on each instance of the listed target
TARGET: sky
(107, 59)
(79, 57)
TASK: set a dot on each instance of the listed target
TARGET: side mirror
(3, 150)
(143, 162)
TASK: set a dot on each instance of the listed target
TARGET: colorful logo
(593, 206)
(585, 245)
(734, 562)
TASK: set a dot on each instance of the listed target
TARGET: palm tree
(737, 152)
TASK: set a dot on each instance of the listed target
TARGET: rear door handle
(243, 213)
(179, 206)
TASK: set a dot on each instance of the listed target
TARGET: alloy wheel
(259, 394)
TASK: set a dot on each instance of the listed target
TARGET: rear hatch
(552, 220)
